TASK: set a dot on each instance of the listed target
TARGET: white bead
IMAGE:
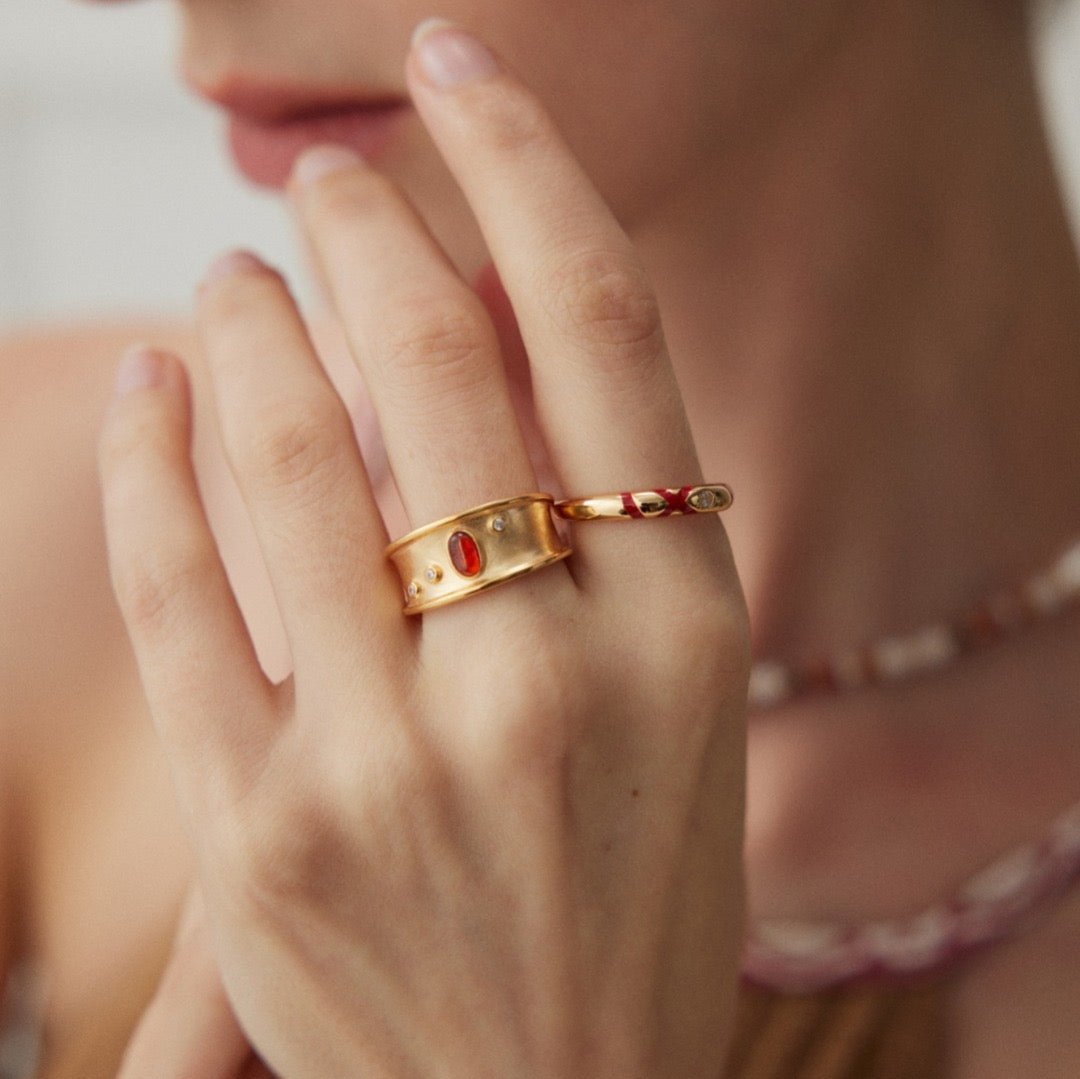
(1065, 834)
(799, 940)
(1044, 593)
(1004, 879)
(1068, 569)
(893, 657)
(770, 683)
(911, 944)
(935, 647)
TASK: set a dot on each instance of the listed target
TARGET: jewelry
(797, 957)
(641, 505)
(469, 552)
(803, 956)
(896, 659)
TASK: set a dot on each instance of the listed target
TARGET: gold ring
(642, 505)
(469, 552)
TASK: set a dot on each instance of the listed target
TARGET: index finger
(606, 396)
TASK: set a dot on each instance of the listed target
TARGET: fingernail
(140, 367)
(230, 263)
(320, 161)
(449, 56)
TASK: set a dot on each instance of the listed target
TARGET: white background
(115, 190)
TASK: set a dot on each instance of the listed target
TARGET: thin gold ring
(644, 505)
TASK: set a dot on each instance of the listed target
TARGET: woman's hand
(189, 1029)
(502, 839)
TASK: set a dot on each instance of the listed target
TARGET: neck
(886, 371)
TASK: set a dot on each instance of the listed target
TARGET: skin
(474, 872)
(924, 115)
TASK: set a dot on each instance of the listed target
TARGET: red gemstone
(465, 554)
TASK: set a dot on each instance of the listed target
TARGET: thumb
(189, 1027)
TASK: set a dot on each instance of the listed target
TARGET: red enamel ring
(643, 505)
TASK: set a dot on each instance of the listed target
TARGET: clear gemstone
(413, 590)
(433, 573)
(499, 524)
(707, 499)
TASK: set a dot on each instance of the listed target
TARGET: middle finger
(424, 343)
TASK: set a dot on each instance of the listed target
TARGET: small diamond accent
(499, 524)
(433, 573)
(413, 590)
(707, 499)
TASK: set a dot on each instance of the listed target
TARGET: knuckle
(151, 587)
(533, 714)
(436, 345)
(712, 645)
(291, 444)
(605, 298)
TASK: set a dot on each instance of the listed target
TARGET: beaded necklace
(796, 957)
(896, 659)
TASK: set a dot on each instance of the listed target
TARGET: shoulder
(55, 385)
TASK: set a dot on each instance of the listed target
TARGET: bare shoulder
(54, 388)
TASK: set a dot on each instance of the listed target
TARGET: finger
(605, 392)
(211, 703)
(189, 1028)
(425, 346)
(587, 313)
(290, 443)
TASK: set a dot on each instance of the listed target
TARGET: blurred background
(115, 191)
(115, 188)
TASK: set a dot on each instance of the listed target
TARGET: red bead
(818, 677)
(978, 627)
(465, 554)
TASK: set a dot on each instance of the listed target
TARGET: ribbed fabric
(863, 1032)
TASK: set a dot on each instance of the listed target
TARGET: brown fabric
(865, 1032)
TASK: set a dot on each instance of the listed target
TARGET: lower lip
(265, 151)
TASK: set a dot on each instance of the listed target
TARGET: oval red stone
(465, 554)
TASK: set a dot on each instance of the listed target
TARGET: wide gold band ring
(643, 505)
(466, 553)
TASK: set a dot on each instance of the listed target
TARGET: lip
(272, 123)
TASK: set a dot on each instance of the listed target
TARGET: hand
(504, 838)
(189, 1028)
